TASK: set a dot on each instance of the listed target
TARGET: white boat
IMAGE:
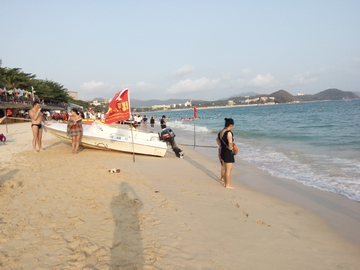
(105, 137)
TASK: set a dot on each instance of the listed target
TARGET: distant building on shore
(231, 102)
(73, 94)
(300, 94)
(188, 103)
(99, 103)
(160, 107)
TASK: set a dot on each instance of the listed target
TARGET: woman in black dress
(225, 140)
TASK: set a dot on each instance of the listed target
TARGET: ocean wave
(188, 126)
(336, 175)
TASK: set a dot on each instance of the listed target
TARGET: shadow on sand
(127, 249)
(203, 169)
(7, 176)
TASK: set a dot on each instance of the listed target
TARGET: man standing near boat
(36, 120)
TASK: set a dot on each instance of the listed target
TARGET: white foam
(185, 125)
(340, 176)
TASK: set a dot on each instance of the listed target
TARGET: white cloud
(93, 85)
(304, 78)
(310, 76)
(187, 69)
(240, 83)
(262, 80)
(142, 86)
(186, 86)
(246, 72)
(226, 76)
(93, 89)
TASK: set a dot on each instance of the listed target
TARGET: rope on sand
(206, 146)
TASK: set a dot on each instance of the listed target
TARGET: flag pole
(6, 122)
(194, 131)
(131, 127)
(195, 115)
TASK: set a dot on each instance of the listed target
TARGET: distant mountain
(247, 94)
(98, 99)
(356, 93)
(329, 94)
(282, 96)
(137, 103)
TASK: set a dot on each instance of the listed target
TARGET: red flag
(119, 107)
(195, 112)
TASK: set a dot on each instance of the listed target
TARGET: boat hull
(103, 137)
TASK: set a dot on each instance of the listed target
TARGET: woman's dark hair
(229, 121)
(76, 111)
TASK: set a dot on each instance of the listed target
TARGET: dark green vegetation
(13, 78)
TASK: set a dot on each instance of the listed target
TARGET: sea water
(316, 144)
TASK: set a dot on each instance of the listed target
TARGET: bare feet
(222, 180)
(40, 150)
(229, 187)
(35, 151)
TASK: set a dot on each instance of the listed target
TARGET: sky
(204, 50)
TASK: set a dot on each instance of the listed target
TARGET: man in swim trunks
(162, 122)
(36, 120)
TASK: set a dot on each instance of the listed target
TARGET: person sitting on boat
(75, 129)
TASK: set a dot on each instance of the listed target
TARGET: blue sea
(316, 144)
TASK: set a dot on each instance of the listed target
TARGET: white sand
(64, 211)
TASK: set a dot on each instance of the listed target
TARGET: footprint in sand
(236, 204)
(245, 214)
(262, 223)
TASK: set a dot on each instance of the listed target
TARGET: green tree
(15, 78)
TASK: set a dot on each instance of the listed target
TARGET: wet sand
(64, 211)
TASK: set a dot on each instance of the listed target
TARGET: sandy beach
(64, 211)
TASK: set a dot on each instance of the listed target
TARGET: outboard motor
(167, 135)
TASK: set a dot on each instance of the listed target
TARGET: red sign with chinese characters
(119, 107)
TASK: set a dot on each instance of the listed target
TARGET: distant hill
(247, 94)
(356, 93)
(329, 94)
(282, 96)
(137, 103)
(98, 99)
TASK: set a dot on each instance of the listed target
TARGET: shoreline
(67, 211)
(340, 213)
(249, 105)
